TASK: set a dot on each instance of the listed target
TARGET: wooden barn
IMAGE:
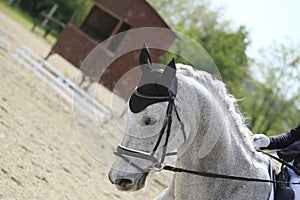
(104, 20)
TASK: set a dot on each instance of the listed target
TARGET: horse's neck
(226, 141)
(218, 147)
(216, 130)
(227, 157)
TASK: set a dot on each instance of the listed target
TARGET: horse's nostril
(123, 182)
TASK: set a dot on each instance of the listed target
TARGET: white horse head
(213, 138)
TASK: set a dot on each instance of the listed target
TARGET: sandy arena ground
(41, 155)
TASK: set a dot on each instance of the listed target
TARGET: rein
(295, 169)
(223, 176)
(158, 165)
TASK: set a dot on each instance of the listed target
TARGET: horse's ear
(170, 71)
(145, 60)
(172, 64)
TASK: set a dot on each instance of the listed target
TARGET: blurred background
(255, 45)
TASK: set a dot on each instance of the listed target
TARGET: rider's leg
(295, 178)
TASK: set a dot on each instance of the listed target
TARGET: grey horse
(214, 137)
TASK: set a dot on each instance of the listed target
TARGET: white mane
(218, 88)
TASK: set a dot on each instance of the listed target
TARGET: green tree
(65, 9)
(273, 98)
(64, 12)
(202, 23)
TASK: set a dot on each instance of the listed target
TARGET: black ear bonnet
(155, 85)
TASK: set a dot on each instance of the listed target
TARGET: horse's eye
(148, 121)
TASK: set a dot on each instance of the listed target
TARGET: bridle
(126, 153)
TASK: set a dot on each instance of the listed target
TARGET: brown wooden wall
(74, 44)
(116, 7)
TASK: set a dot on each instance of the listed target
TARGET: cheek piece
(126, 153)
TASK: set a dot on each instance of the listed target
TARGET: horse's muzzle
(127, 181)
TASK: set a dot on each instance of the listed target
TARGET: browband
(164, 98)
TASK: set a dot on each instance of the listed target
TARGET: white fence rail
(5, 40)
(80, 99)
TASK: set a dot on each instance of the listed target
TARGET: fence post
(53, 9)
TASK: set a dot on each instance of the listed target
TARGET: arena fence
(79, 98)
